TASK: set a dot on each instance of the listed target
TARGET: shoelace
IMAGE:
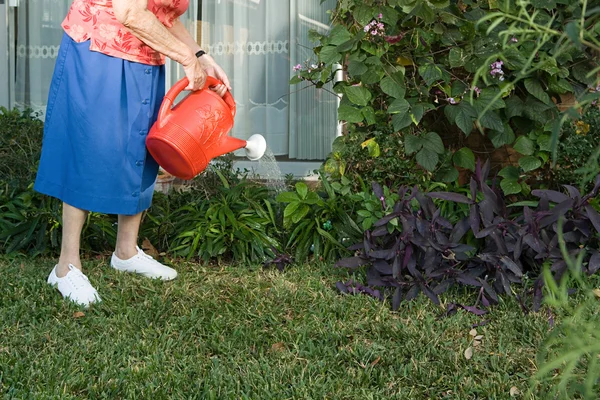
(78, 279)
(141, 253)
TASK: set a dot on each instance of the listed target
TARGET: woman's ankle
(62, 267)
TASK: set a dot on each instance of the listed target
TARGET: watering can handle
(165, 108)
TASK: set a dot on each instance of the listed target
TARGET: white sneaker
(74, 286)
(144, 265)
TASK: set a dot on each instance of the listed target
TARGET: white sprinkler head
(256, 145)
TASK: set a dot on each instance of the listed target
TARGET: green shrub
(21, 135)
(239, 223)
(577, 150)
(436, 71)
(371, 156)
(317, 223)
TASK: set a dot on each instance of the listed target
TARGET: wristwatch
(200, 53)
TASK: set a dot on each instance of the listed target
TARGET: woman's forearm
(144, 25)
(180, 32)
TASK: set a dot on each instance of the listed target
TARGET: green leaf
(389, 16)
(393, 88)
(417, 113)
(401, 121)
(500, 139)
(295, 80)
(464, 122)
(398, 106)
(302, 189)
(373, 75)
(510, 186)
(358, 95)
(330, 55)
(530, 163)
(428, 159)
(432, 141)
(430, 73)
(290, 209)
(349, 114)
(338, 35)
(524, 145)
(560, 86)
(489, 97)
(544, 142)
(492, 121)
(412, 144)
(314, 36)
(457, 57)
(572, 30)
(369, 115)
(534, 87)
(514, 107)
(363, 14)
(447, 175)
(287, 197)
(357, 68)
(464, 158)
(301, 213)
(510, 172)
(440, 3)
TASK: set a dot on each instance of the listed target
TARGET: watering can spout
(256, 145)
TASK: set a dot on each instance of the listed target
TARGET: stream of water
(271, 173)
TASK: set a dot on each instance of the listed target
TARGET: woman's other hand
(214, 70)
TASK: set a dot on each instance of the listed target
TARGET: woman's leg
(127, 235)
(73, 220)
(127, 258)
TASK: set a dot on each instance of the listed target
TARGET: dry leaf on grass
(78, 314)
(149, 249)
(476, 343)
(473, 332)
(469, 353)
(514, 391)
(374, 363)
(279, 346)
(596, 292)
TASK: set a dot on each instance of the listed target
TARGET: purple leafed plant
(489, 250)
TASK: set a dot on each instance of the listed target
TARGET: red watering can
(186, 137)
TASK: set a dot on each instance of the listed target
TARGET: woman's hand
(196, 74)
(214, 70)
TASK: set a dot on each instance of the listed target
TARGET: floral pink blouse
(95, 20)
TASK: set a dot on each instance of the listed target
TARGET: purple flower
(514, 39)
(297, 67)
(451, 100)
(380, 15)
(477, 90)
(497, 69)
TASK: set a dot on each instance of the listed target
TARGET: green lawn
(235, 333)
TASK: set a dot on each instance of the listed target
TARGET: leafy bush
(316, 222)
(371, 156)
(437, 71)
(21, 135)
(239, 223)
(577, 150)
(489, 249)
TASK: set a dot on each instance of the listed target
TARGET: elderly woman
(106, 90)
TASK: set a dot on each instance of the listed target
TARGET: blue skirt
(100, 109)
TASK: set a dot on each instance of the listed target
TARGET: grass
(239, 333)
